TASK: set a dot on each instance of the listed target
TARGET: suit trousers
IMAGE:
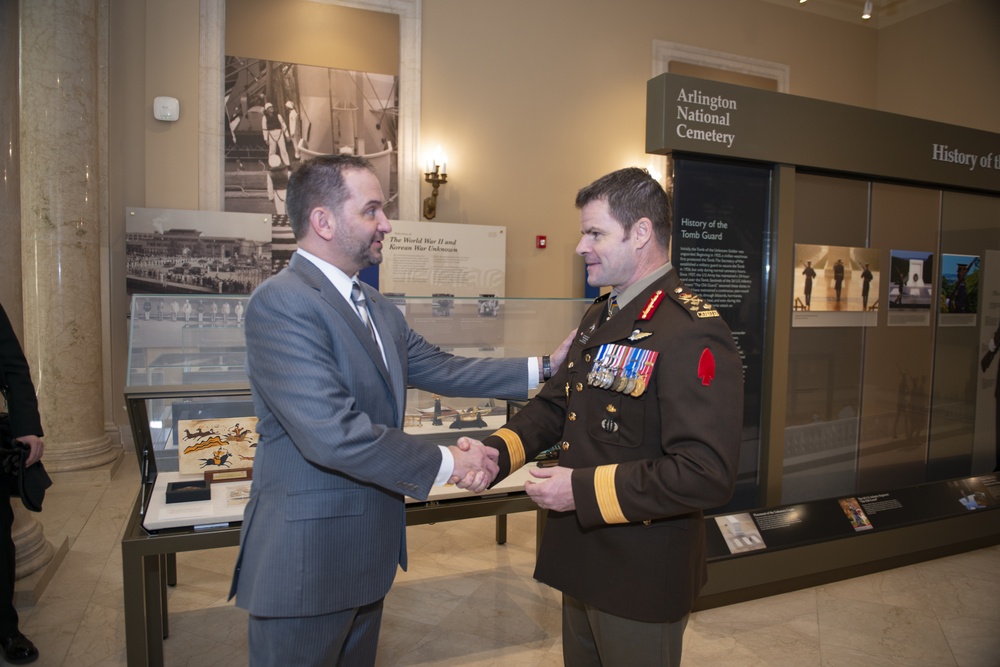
(594, 638)
(8, 614)
(347, 638)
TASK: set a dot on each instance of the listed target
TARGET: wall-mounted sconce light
(435, 173)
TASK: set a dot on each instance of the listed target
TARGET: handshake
(475, 465)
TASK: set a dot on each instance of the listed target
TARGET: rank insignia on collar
(650, 308)
(639, 335)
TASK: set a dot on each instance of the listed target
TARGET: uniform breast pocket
(615, 419)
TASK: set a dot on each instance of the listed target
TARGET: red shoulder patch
(706, 367)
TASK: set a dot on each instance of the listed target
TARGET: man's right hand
(475, 465)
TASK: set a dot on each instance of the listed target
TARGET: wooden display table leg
(501, 529)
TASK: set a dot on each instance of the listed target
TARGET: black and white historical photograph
(488, 306)
(280, 113)
(172, 251)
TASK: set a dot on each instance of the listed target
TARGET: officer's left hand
(554, 491)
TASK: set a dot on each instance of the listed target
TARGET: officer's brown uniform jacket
(644, 467)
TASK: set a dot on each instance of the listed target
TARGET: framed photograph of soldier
(958, 298)
(836, 286)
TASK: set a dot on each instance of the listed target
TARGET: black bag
(26, 483)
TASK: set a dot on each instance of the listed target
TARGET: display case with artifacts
(192, 418)
(192, 415)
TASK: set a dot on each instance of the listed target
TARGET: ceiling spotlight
(802, 2)
(867, 13)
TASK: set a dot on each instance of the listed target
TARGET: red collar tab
(651, 305)
(706, 367)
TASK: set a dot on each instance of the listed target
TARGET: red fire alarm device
(541, 242)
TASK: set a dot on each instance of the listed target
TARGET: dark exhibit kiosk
(869, 437)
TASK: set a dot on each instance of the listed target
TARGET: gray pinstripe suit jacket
(325, 528)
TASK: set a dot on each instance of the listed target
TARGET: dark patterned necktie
(358, 298)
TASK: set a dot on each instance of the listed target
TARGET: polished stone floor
(467, 601)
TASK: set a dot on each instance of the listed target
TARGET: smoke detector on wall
(166, 108)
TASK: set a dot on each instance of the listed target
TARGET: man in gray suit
(329, 361)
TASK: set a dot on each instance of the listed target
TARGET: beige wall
(944, 65)
(531, 100)
(172, 48)
(310, 33)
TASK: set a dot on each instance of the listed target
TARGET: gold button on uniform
(579, 386)
(647, 522)
(571, 416)
(571, 364)
(565, 446)
(586, 357)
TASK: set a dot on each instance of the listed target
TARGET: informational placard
(440, 258)
(835, 518)
(719, 236)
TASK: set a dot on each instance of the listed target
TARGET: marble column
(60, 227)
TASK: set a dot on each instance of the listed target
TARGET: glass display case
(192, 416)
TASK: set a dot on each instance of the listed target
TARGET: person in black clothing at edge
(21, 406)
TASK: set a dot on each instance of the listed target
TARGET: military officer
(647, 411)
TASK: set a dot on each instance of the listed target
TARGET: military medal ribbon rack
(622, 369)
